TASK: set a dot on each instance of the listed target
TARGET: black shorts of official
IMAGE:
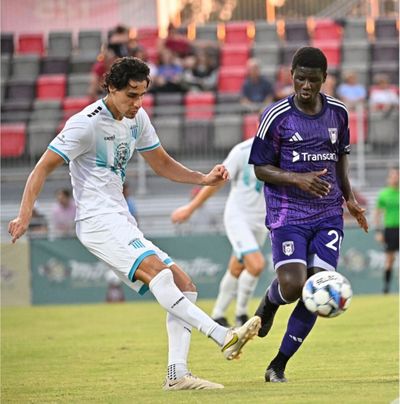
(391, 238)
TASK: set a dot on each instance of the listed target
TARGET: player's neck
(310, 108)
(111, 107)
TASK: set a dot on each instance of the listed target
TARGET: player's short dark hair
(125, 69)
(310, 57)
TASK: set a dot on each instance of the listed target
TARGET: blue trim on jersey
(168, 261)
(143, 290)
(60, 153)
(240, 255)
(137, 262)
(149, 148)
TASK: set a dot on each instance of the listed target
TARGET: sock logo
(297, 339)
(177, 302)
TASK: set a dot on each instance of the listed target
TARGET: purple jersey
(293, 141)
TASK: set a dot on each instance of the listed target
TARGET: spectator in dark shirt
(257, 91)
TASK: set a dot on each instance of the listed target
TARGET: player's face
(307, 83)
(128, 100)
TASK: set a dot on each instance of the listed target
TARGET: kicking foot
(222, 321)
(237, 337)
(190, 382)
(240, 320)
(275, 375)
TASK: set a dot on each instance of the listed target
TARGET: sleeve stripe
(60, 153)
(338, 104)
(270, 116)
(149, 148)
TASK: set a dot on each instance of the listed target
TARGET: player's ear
(325, 75)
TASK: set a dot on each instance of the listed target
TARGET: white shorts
(244, 237)
(116, 239)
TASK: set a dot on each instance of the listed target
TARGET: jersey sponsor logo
(61, 138)
(288, 247)
(333, 134)
(111, 138)
(296, 138)
(305, 156)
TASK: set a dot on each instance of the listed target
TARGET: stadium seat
(25, 66)
(296, 32)
(354, 126)
(78, 84)
(383, 129)
(332, 51)
(199, 105)
(31, 43)
(385, 51)
(250, 125)
(234, 55)
(2, 90)
(148, 37)
(59, 43)
(356, 53)
(270, 72)
(89, 42)
(51, 86)
(82, 63)
(46, 111)
(228, 103)
(288, 50)
(40, 134)
(176, 110)
(207, 32)
(55, 65)
(386, 28)
(12, 140)
(197, 136)
(7, 43)
(16, 110)
(237, 32)
(391, 69)
(267, 54)
(327, 30)
(227, 131)
(72, 105)
(169, 130)
(266, 33)
(5, 66)
(355, 30)
(148, 104)
(230, 79)
(168, 99)
(18, 89)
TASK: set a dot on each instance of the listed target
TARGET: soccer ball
(327, 294)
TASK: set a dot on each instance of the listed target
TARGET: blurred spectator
(257, 91)
(129, 200)
(383, 96)
(178, 44)
(202, 74)
(169, 76)
(329, 87)
(140, 53)
(387, 205)
(350, 91)
(38, 224)
(284, 83)
(62, 218)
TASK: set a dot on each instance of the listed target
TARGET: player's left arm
(166, 166)
(352, 205)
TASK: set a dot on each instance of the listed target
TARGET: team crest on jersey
(333, 134)
(121, 155)
(288, 247)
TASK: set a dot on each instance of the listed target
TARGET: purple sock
(274, 294)
(300, 323)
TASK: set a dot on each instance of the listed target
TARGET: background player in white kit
(244, 225)
(97, 143)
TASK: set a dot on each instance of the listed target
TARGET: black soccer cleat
(222, 321)
(266, 311)
(240, 320)
(275, 375)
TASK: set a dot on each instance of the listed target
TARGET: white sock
(179, 334)
(226, 293)
(171, 298)
(246, 285)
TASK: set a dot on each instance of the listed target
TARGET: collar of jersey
(324, 103)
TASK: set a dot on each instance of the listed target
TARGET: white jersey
(246, 197)
(98, 148)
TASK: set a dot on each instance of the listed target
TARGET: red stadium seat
(12, 140)
(250, 125)
(72, 105)
(199, 105)
(236, 32)
(148, 104)
(327, 30)
(234, 55)
(230, 79)
(332, 51)
(147, 37)
(353, 126)
(31, 43)
(52, 86)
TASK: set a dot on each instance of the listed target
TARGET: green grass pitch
(117, 354)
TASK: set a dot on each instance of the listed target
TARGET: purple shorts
(316, 244)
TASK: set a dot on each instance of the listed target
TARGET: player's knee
(291, 291)
(255, 264)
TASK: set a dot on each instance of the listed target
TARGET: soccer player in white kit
(244, 217)
(97, 143)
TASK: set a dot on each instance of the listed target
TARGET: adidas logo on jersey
(296, 138)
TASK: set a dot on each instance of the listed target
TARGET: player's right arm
(309, 182)
(47, 163)
(184, 212)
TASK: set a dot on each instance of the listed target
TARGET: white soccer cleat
(237, 337)
(190, 382)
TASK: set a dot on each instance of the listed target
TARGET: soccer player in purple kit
(300, 152)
